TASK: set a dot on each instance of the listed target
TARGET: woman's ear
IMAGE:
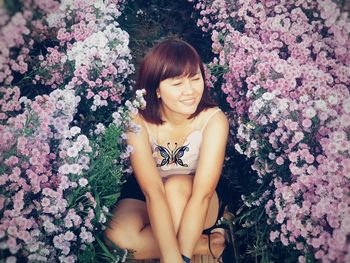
(158, 93)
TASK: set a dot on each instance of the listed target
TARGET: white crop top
(174, 159)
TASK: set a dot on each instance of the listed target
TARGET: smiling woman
(177, 162)
(172, 73)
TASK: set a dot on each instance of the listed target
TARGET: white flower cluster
(267, 103)
(103, 48)
(66, 106)
(74, 151)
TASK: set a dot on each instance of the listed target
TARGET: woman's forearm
(192, 224)
(162, 227)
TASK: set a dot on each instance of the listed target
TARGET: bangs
(179, 61)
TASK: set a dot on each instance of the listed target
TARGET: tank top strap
(208, 119)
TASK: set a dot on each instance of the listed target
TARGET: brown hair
(168, 59)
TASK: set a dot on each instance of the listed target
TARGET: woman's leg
(126, 229)
(178, 190)
(130, 226)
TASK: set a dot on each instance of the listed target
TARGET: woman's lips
(188, 102)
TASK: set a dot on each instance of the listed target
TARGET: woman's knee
(124, 228)
(179, 185)
(121, 235)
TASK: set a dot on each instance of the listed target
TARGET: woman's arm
(207, 175)
(152, 186)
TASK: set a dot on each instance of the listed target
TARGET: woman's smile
(188, 102)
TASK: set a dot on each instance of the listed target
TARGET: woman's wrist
(186, 259)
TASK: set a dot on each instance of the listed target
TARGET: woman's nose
(188, 88)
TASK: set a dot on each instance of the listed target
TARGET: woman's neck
(175, 119)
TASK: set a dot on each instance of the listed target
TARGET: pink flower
(307, 123)
(280, 160)
(274, 235)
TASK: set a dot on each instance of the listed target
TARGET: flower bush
(91, 48)
(57, 185)
(61, 166)
(285, 69)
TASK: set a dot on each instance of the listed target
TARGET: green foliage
(105, 172)
(13, 6)
(105, 177)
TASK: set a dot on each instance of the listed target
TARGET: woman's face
(181, 94)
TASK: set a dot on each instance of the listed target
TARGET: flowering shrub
(98, 59)
(56, 184)
(61, 166)
(18, 35)
(286, 75)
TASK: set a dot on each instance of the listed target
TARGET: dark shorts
(131, 189)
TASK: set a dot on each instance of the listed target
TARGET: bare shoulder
(214, 117)
(139, 120)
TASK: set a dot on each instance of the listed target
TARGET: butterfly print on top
(172, 156)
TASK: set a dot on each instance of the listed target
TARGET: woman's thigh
(129, 217)
(181, 185)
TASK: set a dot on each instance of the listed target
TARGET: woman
(177, 162)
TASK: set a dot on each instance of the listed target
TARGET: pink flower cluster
(33, 196)
(287, 78)
(9, 101)
(17, 37)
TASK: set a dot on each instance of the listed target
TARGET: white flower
(69, 236)
(309, 112)
(249, 93)
(238, 148)
(256, 88)
(304, 98)
(321, 105)
(338, 136)
(78, 145)
(75, 168)
(83, 182)
(24, 100)
(346, 105)
(100, 128)
(282, 104)
(64, 169)
(72, 152)
(333, 99)
(83, 139)
(263, 120)
(254, 144)
(272, 156)
(259, 103)
(54, 19)
(268, 96)
(49, 227)
(66, 134)
(99, 4)
(75, 130)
